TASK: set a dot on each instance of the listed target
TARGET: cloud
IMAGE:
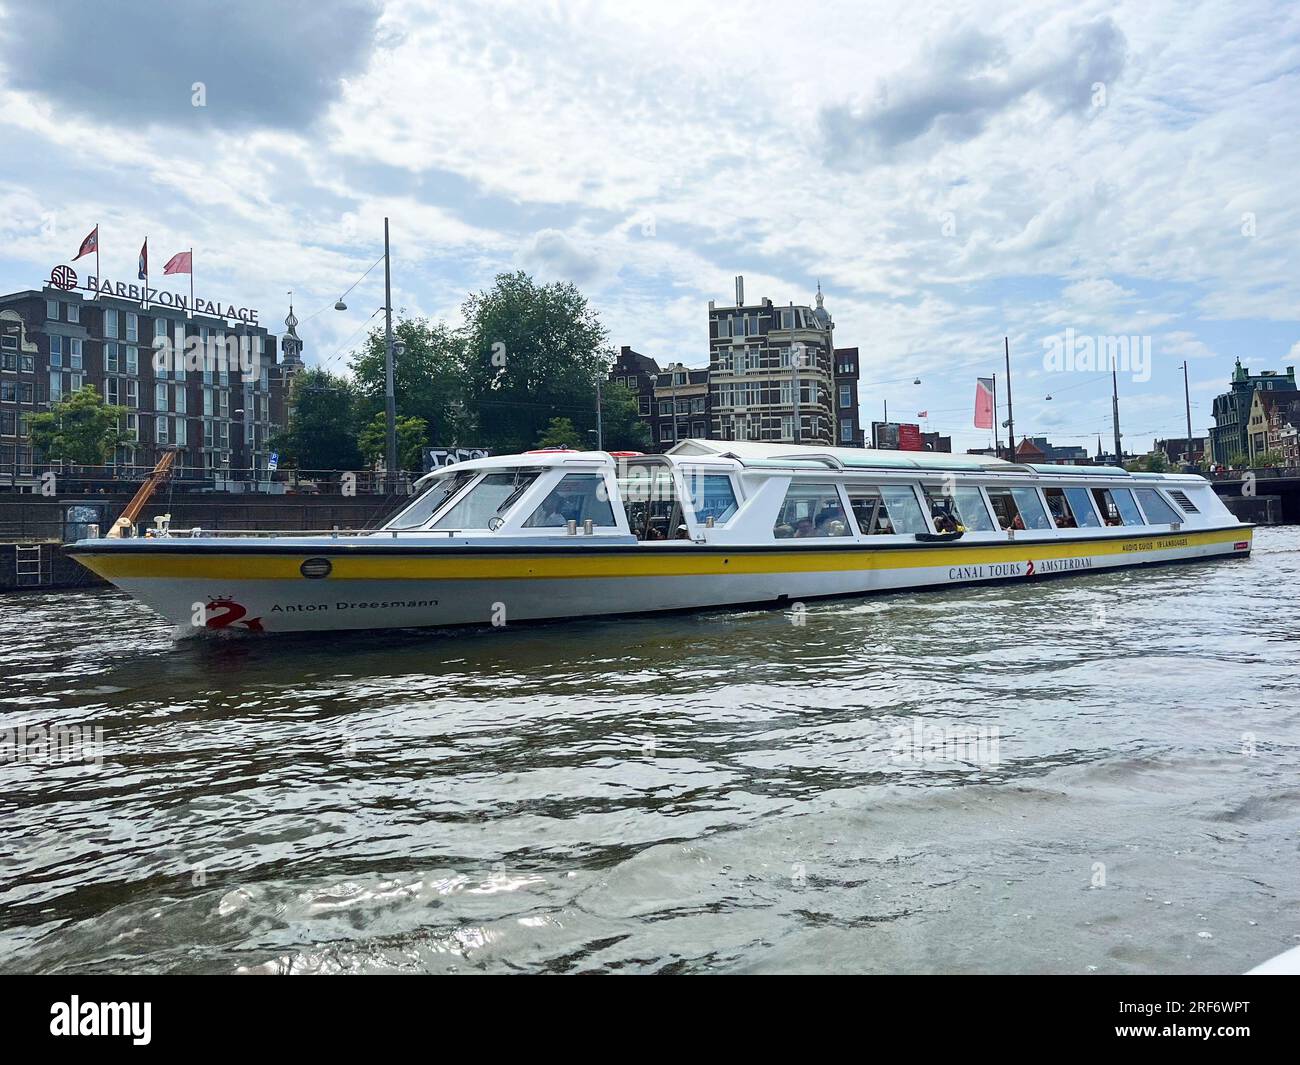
(1095, 292)
(134, 62)
(961, 82)
(553, 255)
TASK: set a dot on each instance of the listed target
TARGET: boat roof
(757, 453)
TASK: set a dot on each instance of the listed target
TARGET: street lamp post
(390, 401)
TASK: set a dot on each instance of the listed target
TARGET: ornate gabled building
(771, 371)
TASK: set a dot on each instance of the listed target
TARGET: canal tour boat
(565, 534)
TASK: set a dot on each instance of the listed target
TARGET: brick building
(219, 412)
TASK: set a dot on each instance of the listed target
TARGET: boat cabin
(746, 492)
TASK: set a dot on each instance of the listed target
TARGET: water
(725, 792)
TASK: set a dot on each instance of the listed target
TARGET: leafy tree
(81, 428)
(322, 429)
(623, 428)
(412, 437)
(533, 353)
(560, 432)
(429, 378)
(1267, 458)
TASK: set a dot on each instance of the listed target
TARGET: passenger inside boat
(1018, 508)
(962, 505)
(811, 510)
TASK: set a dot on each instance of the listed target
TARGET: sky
(950, 173)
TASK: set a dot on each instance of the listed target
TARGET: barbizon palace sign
(65, 278)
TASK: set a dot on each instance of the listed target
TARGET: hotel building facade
(219, 414)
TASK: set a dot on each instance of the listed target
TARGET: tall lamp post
(390, 401)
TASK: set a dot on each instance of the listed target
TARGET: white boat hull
(248, 586)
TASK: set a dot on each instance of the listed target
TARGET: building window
(52, 310)
(160, 430)
(110, 391)
(74, 312)
(160, 397)
(56, 351)
(132, 360)
(74, 350)
(178, 392)
(846, 429)
(132, 326)
(132, 393)
(110, 323)
(180, 431)
(110, 358)
(846, 397)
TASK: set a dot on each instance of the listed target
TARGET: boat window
(1059, 508)
(811, 510)
(488, 499)
(1106, 505)
(973, 514)
(1084, 516)
(1018, 508)
(885, 509)
(1071, 508)
(711, 496)
(578, 497)
(1158, 512)
(438, 491)
(650, 501)
(1004, 509)
(1031, 510)
(957, 509)
(1126, 509)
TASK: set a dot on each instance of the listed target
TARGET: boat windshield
(490, 498)
(440, 490)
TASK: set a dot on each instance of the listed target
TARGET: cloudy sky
(949, 172)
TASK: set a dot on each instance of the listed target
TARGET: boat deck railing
(334, 532)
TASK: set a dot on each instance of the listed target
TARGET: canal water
(1095, 774)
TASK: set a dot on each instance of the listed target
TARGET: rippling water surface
(725, 792)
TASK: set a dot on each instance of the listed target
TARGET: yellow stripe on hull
(636, 562)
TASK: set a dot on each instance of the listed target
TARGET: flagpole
(1011, 417)
(997, 440)
(192, 307)
(98, 278)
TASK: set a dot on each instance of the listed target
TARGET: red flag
(984, 403)
(143, 272)
(180, 263)
(91, 243)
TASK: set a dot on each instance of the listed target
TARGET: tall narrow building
(771, 371)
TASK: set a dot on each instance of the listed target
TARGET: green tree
(322, 429)
(560, 432)
(533, 353)
(412, 437)
(429, 379)
(80, 428)
(624, 429)
(1267, 458)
